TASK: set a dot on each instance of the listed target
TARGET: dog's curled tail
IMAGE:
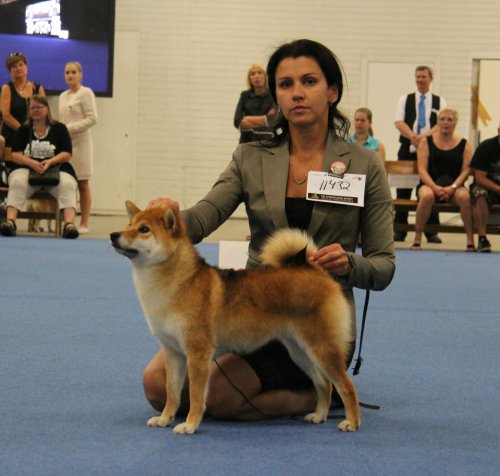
(287, 247)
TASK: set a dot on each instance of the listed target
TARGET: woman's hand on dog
(163, 203)
(333, 259)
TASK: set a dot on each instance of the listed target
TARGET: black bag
(48, 179)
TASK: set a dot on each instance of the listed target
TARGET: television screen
(53, 32)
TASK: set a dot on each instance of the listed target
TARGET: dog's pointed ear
(171, 221)
(132, 209)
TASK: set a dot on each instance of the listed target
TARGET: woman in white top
(77, 110)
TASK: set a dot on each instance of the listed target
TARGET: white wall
(193, 56)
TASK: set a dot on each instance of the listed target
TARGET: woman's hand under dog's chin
(163, 203)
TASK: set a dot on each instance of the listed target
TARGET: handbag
(50, 178)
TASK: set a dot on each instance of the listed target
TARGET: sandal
(415, 246)
(8, 228)
(470, 248)
(70, 231)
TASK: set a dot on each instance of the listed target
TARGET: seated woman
(363, 132)
(40, 144)
(443, 166)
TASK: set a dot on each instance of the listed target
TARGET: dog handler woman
(272, 180)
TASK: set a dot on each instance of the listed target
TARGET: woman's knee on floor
(231, 387)
(154, 382)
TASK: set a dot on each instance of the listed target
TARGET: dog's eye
(143, 229)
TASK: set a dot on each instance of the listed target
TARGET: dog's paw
(315, 418)
(184, 429)
(159, 421)
(347, 425)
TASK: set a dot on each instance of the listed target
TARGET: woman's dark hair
(331, 68)
(13, 58)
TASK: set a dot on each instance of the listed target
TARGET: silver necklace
(20, 92)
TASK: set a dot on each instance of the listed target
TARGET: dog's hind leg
(175, 368)
(321, 384)
(333, 365)
(198, 371)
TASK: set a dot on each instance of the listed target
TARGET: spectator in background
(416, 118)
(256, 105)
(444, 166)
(40, 144)
(14, 98)
(485, 190)
(363, 132)
(77, 110)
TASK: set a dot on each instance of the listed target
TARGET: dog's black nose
(115, 236)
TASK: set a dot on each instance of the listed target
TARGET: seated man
(485, 190)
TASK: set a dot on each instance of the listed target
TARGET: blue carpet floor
(73, 344)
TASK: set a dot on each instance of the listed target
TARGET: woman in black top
(40, 144)
(14, 98)
(444, 166)
(254, 106)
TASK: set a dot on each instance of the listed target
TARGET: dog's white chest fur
(163, 324)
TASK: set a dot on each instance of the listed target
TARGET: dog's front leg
(198, 372)
(175, 369)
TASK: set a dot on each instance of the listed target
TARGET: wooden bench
(31, 215)
(406, 170)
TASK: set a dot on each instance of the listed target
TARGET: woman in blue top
(363, 134)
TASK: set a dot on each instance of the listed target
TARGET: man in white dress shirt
(416, 118)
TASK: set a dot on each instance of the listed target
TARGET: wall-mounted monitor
(53, 32)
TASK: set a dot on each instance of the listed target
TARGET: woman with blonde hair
(255, 106)
(443, 166)
(77, 110)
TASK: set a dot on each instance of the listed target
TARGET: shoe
(69, 231)
(399, 236)
(8, 228)
(483, 245)
(470, 248)
(83, 230)
(434, 239)
(416, 246)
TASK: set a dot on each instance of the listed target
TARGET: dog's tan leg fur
(324, 394)
(198, 370)
(333, 364)
(329, 356)
(175, 369)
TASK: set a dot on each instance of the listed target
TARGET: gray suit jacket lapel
(275, 176)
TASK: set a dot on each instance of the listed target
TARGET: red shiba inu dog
(198, 312)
